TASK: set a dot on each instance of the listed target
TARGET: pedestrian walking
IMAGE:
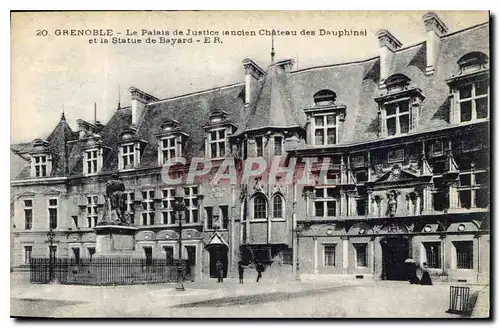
(426, 278)
(259, 268)
(220, 271)
(241, 270)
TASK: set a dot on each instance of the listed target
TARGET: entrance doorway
(218, 254)
(395, 251)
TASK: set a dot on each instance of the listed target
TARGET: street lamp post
(179, 208)
(50, 237)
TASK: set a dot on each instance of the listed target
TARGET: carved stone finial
(386, 39)
(434, 23)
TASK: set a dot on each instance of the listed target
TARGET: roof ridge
(466, 29)
(197, 93)
(334, 65)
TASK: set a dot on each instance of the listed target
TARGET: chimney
(387, 45)
(286, 64)
(139, 101)
(435, 29)
(253, 73)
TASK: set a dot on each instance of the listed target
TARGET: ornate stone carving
(392, 203)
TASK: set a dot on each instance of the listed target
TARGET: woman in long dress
(426, 278)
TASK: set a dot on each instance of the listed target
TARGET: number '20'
(42, 32)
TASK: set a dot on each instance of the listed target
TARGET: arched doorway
(217, 249)
(218, 254)
(395, 250)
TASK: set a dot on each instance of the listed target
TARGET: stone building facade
(389, 160)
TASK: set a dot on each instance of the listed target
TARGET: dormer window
(217, 142)
(40, 165)
(469, 89)
(473, 61)
(218, 129)
(399, 107)
(170, 140)
(397, 118)
(325, 130)
(91, 161)
(127, 156)
(325, 119)
(40, 159)
(130, 149)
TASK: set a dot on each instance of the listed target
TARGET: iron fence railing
(105, 271)
(459, 300)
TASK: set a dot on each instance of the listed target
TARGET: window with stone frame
(433, 254)
(259, 145)
(28, 253)
(191, 203)
(470, 89)
(473, 191)
(217, 140)
(127, 155)
(325, 202)
(168, 148)
(473, 101)
(329, 254)
(278, 145)
(464, 253)
(167, 205)
(209, 222)
(53, 212)
(40, 165)
(325, 129)
(397, 116)
(399, 107)
(92, 211)
(278, 207)
(91, 161)
(130, 198)
(259, 207)
(440, 195)
(28, 214)
(361, 255)
(224, 216)
(148, 207)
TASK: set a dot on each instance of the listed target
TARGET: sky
(52, 73)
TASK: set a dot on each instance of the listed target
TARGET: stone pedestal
(115, 241)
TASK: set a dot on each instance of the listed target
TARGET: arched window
(259, 207)
(324, 97)
(473, 61)
(278, 206)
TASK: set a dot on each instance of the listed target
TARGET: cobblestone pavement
(230, 299)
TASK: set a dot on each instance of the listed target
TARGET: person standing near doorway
(259, 268)
(220, 271)
(241, 270)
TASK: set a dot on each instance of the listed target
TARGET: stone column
(345, 254)
(453, 193)
(315, 270)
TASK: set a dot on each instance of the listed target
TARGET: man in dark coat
(220, 271)
(241, 270)
(259, 268)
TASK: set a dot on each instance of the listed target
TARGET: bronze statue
(115, 201)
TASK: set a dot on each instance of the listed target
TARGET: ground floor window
(433, 254)
(28, 250)
(329, 251)
(76, 254)
(361, 255)
(169, 254)
(148, 252)
(464, 252)
(91, 252)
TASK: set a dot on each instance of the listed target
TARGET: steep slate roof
(57, 146)
(280, 99)
(192, 112)
(274, 104)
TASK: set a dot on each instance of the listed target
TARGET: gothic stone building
(405, 133)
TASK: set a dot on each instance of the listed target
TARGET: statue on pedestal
(116, 206)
